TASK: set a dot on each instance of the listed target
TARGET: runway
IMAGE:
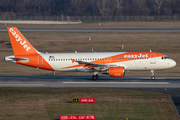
(85, 81)
(98, 29)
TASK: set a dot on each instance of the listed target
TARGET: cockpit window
(164, 57)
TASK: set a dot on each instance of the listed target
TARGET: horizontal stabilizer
(13, 59)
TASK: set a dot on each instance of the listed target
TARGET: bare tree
(158, 4)
(91, 3)
(118, 2)
(76, 2)
(101, 4)
(139, 3)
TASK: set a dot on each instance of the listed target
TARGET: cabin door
(40, 60)
(153, 59)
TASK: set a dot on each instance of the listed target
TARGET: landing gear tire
(153, 78)
(94, 77)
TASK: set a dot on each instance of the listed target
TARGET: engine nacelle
(116, 71)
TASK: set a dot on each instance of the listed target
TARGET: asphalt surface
(168, 85)
(84, 81)
(99, 29)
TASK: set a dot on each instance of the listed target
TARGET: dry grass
(165, 24)
(111, 104)
(167, 43)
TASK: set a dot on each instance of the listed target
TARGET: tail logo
(19, 39)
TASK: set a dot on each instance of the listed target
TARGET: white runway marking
(37, 85)
(153, 83)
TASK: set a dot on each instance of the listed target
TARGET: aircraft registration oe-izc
(111, 63)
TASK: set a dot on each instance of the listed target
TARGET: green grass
(111, 104)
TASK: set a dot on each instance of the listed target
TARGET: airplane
(111, 63)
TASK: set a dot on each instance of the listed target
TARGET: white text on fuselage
(136, 56)
(19, 39)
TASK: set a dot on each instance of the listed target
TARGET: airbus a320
(111, 63)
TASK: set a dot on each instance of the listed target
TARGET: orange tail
(19, 43)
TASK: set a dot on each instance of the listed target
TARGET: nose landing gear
(152, 77)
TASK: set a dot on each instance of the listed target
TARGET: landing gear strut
(95, 76)
(152, 77)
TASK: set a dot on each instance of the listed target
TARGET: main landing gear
(152, 77)
(95, 76)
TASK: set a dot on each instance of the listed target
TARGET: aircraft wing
(96, 66)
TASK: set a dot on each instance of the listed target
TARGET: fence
(92, 18)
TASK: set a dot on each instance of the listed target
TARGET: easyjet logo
(19, 39)
(136, 56)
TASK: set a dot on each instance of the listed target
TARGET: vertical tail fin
(19, 43)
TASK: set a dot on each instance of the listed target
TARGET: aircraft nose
(173, 63)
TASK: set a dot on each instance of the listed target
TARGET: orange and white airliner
(111, 63)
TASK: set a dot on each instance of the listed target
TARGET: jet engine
(115, 71)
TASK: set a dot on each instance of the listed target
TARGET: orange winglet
(73, 60)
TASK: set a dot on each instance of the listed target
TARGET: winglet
(73, 60)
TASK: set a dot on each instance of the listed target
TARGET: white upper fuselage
(63, 61)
